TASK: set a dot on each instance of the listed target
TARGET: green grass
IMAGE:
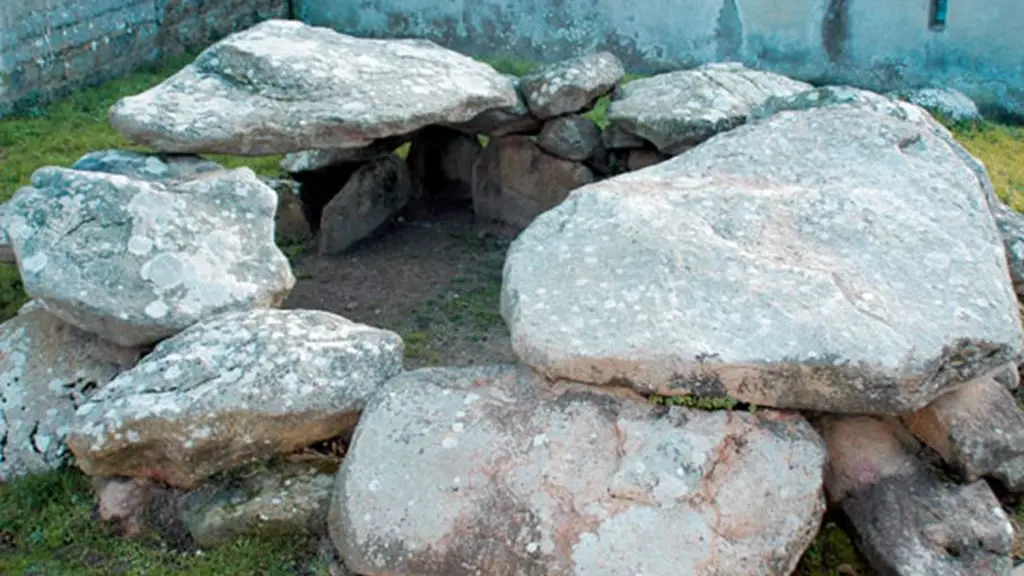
(46, 523)
(60, 134)
(47, 527)
(1001, 148)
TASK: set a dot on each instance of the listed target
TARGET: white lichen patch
(570, 86)
(136, 260)
(239, 384)
(677, 109)
(47, 369)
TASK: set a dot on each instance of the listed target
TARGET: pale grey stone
(835, 259)
(455, 469)
(240, 387)
(501, 121)
(1011, 475)
(282, 499)
(47, 368)
(572, 137)
(135, 261)
(570, 86)
(948, 102)
(6, 251)
(153, 167)
(374, 194)
(313, 160)
(282, 86)
(676, 110)
(1009, 222)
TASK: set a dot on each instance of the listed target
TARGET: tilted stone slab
(135, 261)
(461, 471)
(47, 369)
(833, 259)
(283, 86)
(676, 110)
(241, 387)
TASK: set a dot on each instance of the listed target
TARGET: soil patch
(435, 280)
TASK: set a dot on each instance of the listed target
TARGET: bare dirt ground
(436, 281)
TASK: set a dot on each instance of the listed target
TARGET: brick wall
(49, 48)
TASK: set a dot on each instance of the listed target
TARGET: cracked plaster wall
(875, 44)
(48, 48)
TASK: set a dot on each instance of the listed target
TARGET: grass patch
(47, 527)
(832, 554)
(1001, 148)
(60, 134)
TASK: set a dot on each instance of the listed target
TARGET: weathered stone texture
(835, 259)
(492, 470)
(282, 86)
(135, 261)
(47, 368)
(238, 388)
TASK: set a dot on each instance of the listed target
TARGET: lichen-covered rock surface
(835, 259)
(135, 261)
(140, 166)
(1009, 222)
(460, 471)
(676, 110)
(283, 86)
(47, 369)
(240, 387)
(571, 85)
(952, 104)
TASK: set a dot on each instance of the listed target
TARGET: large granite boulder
(135, 261)
(283, 86)
(676, 110)
(240, 387)
(837, 259)
(47, 369)
(461, 471)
